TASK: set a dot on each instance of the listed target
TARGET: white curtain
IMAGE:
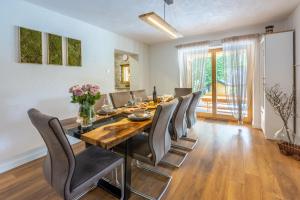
(192, 60)
(239, 62)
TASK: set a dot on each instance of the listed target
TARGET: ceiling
(189, 17)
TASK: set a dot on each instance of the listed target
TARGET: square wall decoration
(73, 52)
(30, 46)
(54, 49)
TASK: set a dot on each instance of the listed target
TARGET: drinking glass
(138, 101)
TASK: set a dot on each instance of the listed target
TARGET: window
(214, 101)
(125, 73)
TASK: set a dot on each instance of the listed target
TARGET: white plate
(102, 112)
(135, 118)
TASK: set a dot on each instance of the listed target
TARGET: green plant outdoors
(207, 72)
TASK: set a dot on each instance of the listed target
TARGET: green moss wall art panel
(54, 49)
(30, 46)
(73, 52)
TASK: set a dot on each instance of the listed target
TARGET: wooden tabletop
(112, 134)
(72, 123)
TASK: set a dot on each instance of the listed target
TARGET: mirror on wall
(124, 63)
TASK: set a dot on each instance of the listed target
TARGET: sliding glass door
(214, 103)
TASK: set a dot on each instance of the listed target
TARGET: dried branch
(283, 105)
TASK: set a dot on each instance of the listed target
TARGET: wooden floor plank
(229, 162)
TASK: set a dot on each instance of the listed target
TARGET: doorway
(214, 103)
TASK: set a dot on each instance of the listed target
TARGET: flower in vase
(78, 92)
(85, 94)
(73, 88)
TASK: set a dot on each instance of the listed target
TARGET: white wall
(293, 22)
(45, 87)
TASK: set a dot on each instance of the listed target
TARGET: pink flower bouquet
(86, 96)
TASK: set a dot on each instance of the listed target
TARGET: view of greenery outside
(196, 73)
(221, 97)
(208, 72)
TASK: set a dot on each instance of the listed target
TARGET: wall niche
(124, 63)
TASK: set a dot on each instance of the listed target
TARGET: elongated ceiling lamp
(156, 21)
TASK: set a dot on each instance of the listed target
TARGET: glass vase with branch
(283, 105)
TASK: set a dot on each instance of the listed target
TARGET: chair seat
(139, 148)
(92, 164)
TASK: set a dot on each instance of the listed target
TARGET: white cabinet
(276, 67)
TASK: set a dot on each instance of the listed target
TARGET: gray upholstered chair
(178, 126)
(119, 99)
(139, 93)
(191, 111)
(99, 103)
(182, 91)
(152, 147)
(71, 175)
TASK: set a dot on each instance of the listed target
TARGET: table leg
(107, 186)
(112, 189)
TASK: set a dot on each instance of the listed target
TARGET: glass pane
(205, 103)
(223, 105)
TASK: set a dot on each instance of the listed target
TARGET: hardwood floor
(229, 162)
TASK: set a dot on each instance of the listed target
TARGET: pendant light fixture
(156, 21)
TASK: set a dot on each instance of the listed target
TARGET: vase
(283, 134)
(86, 115)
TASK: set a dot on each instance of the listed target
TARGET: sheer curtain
(239, 61)
(192, 60)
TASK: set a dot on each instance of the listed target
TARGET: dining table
(107, 132)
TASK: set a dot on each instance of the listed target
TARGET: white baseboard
(22, 159)
(27, 157)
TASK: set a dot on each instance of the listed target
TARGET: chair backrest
(159, 137)
(191, 111)
(139, 93)
(119, 99)
(60, 161)
(182, 91)
(178, 126)
(103, 99)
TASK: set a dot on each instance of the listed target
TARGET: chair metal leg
(181, 147)
(84, 193)
(190, 139)
(184, 154)
(115, 173)
(116, 176)
(184, 147)
(122, 185)
(142, 194)
(185, 137)
(115, 187)
(139, 165)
